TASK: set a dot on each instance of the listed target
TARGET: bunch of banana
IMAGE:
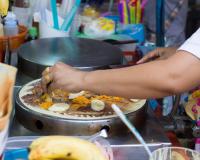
(64, 148)
(4, 4)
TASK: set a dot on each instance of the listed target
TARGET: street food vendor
(174, 75)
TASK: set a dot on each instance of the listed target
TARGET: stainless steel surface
(43, 123)
(85, 54)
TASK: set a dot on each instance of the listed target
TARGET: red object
(14, 42)
(132, 57)
(173, 139)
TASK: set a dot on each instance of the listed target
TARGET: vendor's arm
(174, 75)
(155, 79)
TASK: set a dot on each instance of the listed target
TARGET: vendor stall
(66, 52)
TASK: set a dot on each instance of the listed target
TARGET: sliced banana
(134, 100)
(97, 105)
(75, 95)
(59, 107)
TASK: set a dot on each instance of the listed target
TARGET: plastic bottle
(1, 30)
(10, 25)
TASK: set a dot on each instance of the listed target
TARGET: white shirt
(192, 45)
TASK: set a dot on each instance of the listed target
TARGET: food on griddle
(75, 95)
(82, 104)
(135, 100)
(64, 148)
(97, 105)
(59, 107)
(58, 95)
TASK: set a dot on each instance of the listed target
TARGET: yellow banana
(65, 148)
(4, 4)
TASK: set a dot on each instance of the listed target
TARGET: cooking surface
(73, 51)
(151, 131)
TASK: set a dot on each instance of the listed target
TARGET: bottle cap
(10, 16)
(33, 32)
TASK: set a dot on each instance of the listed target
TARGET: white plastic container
(47, 31)
(10, 25)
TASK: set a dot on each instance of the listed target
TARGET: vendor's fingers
(46, 79)
(47, 71)
(55, 85)
(150, 56)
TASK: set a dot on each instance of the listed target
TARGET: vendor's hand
(159, 53)
(62, 76)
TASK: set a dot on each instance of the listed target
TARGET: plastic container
(16, 154)
(14, 41)
(47, 31)
(175, 153)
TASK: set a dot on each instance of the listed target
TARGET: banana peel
(4, 4)
(65, 148)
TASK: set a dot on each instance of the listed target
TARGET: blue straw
(69, 18)
(54, 14)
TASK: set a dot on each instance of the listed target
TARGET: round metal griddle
(84, 54)
(46, 122)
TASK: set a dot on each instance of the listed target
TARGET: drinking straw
(120, 10)
(111, 5)
(125, 12)
(43, 11)
(69, 18)
(143, 4)
(131, 127)
(138, 12)
(54, 14)
(132, 10)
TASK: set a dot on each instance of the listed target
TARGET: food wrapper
(7, 81)
(193, 106)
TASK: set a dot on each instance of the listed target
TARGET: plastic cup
(175, 153)
(49, 32)
(3, 139)
(104, 146)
